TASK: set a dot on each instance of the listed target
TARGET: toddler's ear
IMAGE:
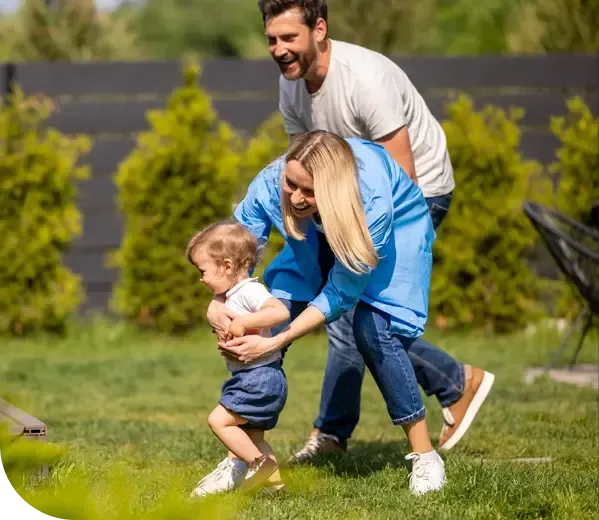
(228, 265)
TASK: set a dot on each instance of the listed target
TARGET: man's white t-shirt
(366, 95)
(248, 296)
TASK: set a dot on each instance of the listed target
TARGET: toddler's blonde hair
(226, 240)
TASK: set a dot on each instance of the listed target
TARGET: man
(352, 91)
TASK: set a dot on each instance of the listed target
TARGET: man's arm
(399, 147)
(380, 108)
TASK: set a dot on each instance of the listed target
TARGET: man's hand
(220, 318)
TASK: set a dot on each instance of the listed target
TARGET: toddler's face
(218, 279)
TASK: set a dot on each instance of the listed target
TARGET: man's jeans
(437, 372)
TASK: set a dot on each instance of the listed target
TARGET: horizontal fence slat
(106, 154)
(96, 298)
(153, 77)
(539, 107)
(246, 116)
(91, 265)
(103, 117)
(101, 228)
(261, 76)
(3, 79)
(97, 192)
(99, 78)
(131, 116)
(467, 72)
(540, 146)
(234, 75)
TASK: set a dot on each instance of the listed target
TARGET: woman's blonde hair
(330, 161)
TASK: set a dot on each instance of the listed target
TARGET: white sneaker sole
(478, 400)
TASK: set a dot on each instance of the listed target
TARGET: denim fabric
(256, 394)
(400, 227)
(386, 356)
(439, 207)
(436, 371)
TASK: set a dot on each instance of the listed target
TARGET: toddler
(252, 398)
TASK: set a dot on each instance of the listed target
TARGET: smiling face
(298, 185)
(218, 278)
(292, 44)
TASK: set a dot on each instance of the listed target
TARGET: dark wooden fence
(109, 102)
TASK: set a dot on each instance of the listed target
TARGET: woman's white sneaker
(228, 475)
(428, 472)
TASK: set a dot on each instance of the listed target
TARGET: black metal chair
(575, 248)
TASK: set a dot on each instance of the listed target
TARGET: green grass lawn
(137, 404)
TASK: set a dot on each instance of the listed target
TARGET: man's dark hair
(312, 9)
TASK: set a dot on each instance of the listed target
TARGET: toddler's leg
(225, 425)
(265, 472)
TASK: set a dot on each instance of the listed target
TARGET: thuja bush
(179, 179)
(577, 176)
(577, 165)
(38, 217)
(481, 277)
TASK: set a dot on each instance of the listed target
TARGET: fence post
(7, 88)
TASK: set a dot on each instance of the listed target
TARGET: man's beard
(301, 64)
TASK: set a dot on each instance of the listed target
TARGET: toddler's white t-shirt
(246, 297)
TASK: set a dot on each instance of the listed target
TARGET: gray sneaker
(318, 444)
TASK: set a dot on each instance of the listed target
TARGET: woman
(347, 196)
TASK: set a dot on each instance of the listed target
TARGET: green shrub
(69, 31)
(71, 491)
(269, 143)
(38, 217)
(480, 276)
(578, 160)
(553, 26)
(178, 180)
(577, 170)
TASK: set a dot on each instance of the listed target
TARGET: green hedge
(71, 491)
(38, 217)
(481, 278)
(189, 169)
(577, 176)
(577, 164)
(179, 179)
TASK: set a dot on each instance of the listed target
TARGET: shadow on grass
(365, 458)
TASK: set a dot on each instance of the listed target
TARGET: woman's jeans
(436, 372)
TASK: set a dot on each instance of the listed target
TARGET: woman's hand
(249, 348)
